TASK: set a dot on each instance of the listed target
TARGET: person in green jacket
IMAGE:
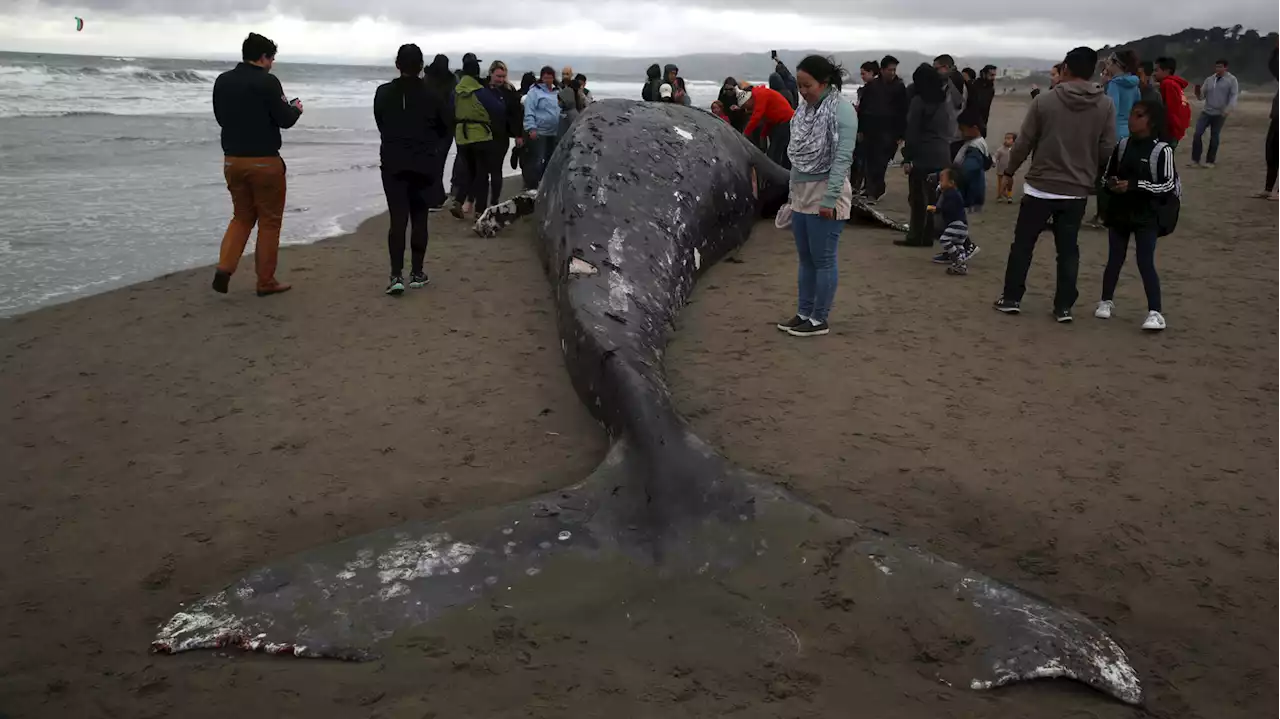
(473, 133)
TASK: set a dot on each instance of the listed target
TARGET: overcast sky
(370, 30)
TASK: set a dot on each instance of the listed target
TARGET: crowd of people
(1113, 138)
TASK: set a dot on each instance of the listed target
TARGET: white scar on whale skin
(619, 289)
(683, 133)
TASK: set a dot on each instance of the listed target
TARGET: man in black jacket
(982, 92)
(883, 110)
(412, 119)
(251, 108)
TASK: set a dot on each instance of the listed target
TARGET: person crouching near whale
(823, 135)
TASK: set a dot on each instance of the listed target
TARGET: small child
(1004, 185)
(717, 109)
(974, 159)
(957, 248)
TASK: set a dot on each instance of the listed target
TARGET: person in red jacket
(770, 120)
(1173, 91)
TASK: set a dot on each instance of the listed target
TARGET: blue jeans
(534, 163)
(1214, 123)
(816, 242)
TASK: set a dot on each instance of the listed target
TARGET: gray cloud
(1117, 21)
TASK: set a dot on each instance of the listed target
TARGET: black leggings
(407, 203)
(1272, 160)
(482, 172)
(1145, 239)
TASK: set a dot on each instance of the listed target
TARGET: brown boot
(274, 288)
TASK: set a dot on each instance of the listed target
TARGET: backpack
(1169, 205)
(469, 113)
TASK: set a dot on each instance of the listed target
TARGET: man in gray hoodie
(1069, 132)
(1220, 92)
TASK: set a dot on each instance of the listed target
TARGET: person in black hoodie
(729, 99)
(440, 81)
(652, 83)
(982, 92)
(882, 121)
(411, 120)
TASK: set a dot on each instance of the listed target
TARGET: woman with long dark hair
(411, 121)
(823, 133)
(925, 152)
(440, 81)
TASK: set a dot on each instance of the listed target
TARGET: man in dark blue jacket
(251, 108)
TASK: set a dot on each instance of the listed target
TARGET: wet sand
(161, 440)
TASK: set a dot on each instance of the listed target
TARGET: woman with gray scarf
(823, 132)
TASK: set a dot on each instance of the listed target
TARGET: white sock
(806, 319)
(814, 322)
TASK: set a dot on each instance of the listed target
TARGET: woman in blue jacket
(1123, 88)
(541, 123)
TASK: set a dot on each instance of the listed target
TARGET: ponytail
(823, 69)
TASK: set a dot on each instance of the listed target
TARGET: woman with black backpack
(1142, 200)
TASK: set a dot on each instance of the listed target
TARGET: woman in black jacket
(440, 81)
(411, 120)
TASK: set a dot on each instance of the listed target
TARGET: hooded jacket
(1173, 92)
(778, 85)
(1124, 92)
(883, 108)
(542, 111)
(1069, 132)
(505, 114)
(411, 120)
(678, 85)
(977, 110)
(653, 81)
(472, 109)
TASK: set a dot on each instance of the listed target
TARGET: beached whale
(638, 200)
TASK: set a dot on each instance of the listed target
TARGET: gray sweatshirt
(1220, 94)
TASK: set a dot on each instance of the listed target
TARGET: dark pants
(1273, 150)
(921, 192)
(779, 138)
(880, 148)
(408, 201)
(1145, 239)
(1033, 215)
(436, 193)
(1214, 123)
(534, 162)
(480, 173)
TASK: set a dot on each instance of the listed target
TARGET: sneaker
(456, 210)
(396, 287)
(809, 329)
(792, 323)
(221, 281)
(1154, 322)
(1008, 307)
(941, 258)
(1196, 164)
(1062, 316)
(973, 252)
(960, 269)
(418, 280)
(1209, 165)
(274, 288)
(437, 208)
(1104, 310)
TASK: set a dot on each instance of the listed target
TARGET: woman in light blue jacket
(541, 123)
(1123, 88)
(823, 132)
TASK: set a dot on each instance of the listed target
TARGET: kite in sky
(79, 24)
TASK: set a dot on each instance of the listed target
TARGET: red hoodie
(771, 108)
(1173, 90)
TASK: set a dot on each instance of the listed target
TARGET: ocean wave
(135, 73)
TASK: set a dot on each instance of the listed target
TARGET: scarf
(813, 135)
(978, 142)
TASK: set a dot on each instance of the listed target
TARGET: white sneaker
(1154, 322)
(1105, 308)
(1209, 165)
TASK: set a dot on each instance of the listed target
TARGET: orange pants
(257, 187)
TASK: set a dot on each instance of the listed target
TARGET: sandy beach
(160, 440)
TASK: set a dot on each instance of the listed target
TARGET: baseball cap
(665, 90)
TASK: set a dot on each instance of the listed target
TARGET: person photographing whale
(823, 133)
(251, 108)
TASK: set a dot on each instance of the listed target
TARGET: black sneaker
(792, 323)
(958, 269)
(396, 286)
(221, 281)
(1008, 307)
(1062, 315)
(456, 210)
(418, 280)
(941, 258)
(809, 329)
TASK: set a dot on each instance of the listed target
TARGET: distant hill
(757, 65)
(1196, 50)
